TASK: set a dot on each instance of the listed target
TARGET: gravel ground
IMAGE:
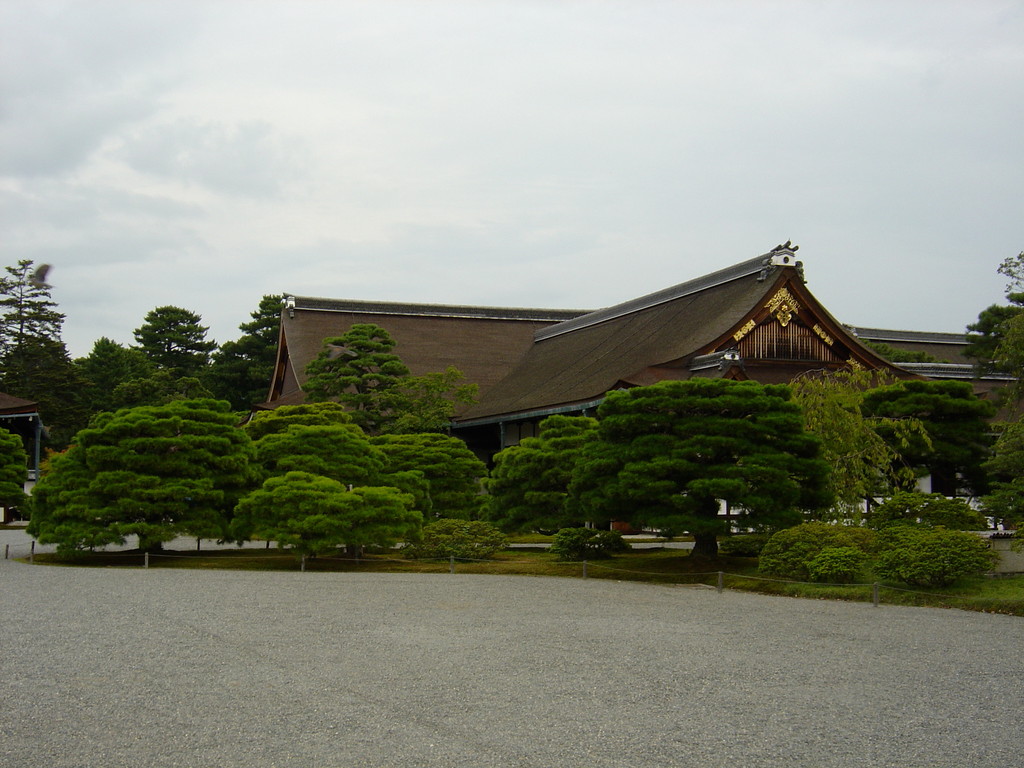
(103, 667)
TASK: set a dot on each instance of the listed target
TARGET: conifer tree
(174, 339)
(107, 366)
(529, 484)
(34, 362)
(240, 370)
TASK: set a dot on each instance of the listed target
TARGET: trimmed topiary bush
(931, 557)
(837, 565)
(464, 539)
(789, 551)
(576, 544)
(743, 545)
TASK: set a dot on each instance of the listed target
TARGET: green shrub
(933, 557)
(837, 565)
(743, 545)
(927, 509)
(789, 551)
(466, 539)
(587, 544)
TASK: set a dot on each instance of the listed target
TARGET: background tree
(529, 483)
(27, 315)
(108, 365)
(358, 369)
(427, 403)
(930, 510)
(894, 355)
(955, 421)
(864, 464)
(158, 388)
(13, 470)
(155, 471)
(312, 514)
(986, 337)
(1010, 359)
(453, 473)
(666, 455)
(240, 371)
(174, 339)
(34, 362)
(1005, 467)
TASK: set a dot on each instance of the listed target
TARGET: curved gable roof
(581, 359)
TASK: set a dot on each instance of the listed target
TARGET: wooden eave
(16, 406)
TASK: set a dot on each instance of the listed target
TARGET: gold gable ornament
(783, 306)
(747, 328)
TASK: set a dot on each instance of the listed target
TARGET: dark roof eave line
(538, 314)
(922, 337)
(524, 415)
(953, 371)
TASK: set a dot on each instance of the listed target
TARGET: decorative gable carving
(793, 341)
(783, 306)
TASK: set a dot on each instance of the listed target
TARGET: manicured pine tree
(529, 483)
(314, 515)
(453, 473)
(155, 471)
(13, 465)
(666, 455)
(358, 369)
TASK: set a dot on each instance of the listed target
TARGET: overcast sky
(544, 154)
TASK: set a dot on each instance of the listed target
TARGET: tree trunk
(705, 544)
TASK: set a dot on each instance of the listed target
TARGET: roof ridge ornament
(782, 255)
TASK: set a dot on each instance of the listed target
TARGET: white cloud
(520, 153)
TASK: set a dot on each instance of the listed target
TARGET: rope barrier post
(7, 551)
(451, 563)
(874, 594)
(721, 582)
(584, 569)
(302, 564)
(32, 552)
(145, 563)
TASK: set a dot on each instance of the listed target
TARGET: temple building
(753, 320)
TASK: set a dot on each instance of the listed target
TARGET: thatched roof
(696, 328)
(482, 342)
